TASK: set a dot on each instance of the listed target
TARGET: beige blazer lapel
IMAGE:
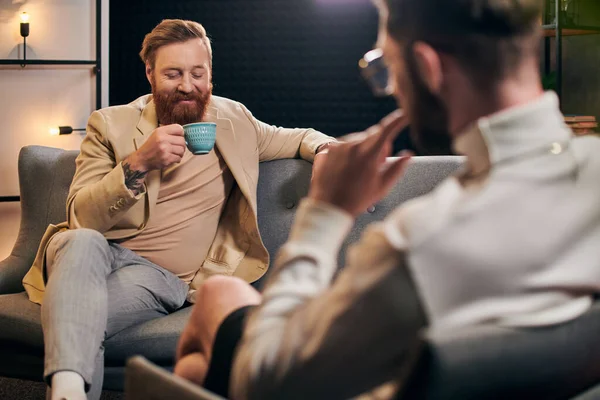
(146, 125)
(228, 148)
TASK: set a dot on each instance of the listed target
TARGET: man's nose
(185, 86)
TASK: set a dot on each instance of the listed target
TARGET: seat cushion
(20, 320)
(155, 339)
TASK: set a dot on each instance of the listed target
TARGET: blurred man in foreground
(511, 240)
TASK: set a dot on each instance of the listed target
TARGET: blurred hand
(354, 174)
(164, 147)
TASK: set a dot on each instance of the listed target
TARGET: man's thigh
(139, 291)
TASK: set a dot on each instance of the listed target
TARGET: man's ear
(429, 65)
(149, 73)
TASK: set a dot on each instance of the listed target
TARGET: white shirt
(513, 240)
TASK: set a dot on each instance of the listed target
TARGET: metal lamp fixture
(24, 24)
(24, 34)
(64, 130)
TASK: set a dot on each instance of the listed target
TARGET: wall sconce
(24, 24)
(24, 34)
(64, 130)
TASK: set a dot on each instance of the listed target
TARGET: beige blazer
(98, 198)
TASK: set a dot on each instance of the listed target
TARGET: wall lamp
(24, 34)
(64, 130)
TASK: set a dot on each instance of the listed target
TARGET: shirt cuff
(309, 145)
(326, 144)
(320, 225)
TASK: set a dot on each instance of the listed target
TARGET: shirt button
(556, 148)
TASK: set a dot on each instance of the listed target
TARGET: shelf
(570, 32)
(550, 30)
(48, 62)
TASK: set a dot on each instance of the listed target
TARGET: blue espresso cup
(200, 137)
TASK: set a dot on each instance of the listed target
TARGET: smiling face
(181, 81)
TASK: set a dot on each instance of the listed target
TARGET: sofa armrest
(45, 175)
(146, 381)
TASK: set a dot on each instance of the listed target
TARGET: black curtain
(293, 63)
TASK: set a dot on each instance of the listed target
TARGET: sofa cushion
(422, 175)
(20, 320)
(155, 339)
(283, 184)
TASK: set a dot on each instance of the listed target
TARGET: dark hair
(488, 37)
(172, 31)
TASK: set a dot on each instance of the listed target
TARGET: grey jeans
(95, 289)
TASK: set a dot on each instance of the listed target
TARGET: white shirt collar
(511, 132)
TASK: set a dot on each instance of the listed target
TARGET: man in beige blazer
(148, 221)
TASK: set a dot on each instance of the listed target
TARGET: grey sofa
(45, 175)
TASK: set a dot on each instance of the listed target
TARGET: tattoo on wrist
(134, 180)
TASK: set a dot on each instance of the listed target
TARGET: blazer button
(289, 205)
(371, 209)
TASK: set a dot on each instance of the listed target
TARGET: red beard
(170, 110)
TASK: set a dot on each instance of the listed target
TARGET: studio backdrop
(293, 63)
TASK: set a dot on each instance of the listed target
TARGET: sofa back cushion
(283, 183)
(45, 174)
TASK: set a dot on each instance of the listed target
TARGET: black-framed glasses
(376, 73)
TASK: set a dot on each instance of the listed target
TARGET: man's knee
(227, 290)
(218, 297)
(78, 237)
(192, 367)
(86, 242)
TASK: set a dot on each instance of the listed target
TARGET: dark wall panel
(291, 62)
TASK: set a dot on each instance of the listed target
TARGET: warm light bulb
(54, 131)
(24, 17)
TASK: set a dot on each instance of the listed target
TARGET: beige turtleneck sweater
(190, 201)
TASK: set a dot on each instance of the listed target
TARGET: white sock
(68, 385)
